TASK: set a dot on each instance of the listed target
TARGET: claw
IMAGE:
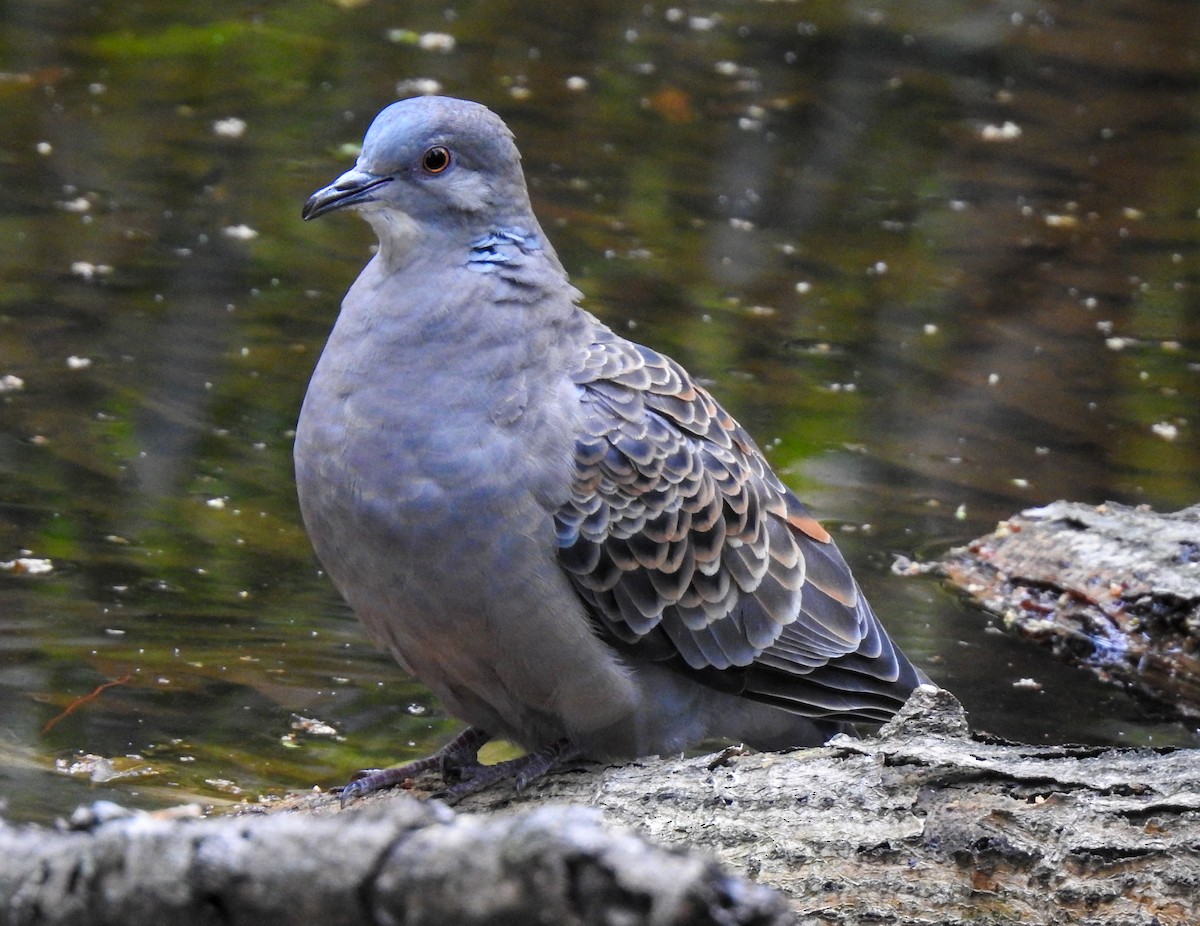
(350, 791)
(456, 757)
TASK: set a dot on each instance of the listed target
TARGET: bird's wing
(688, 548)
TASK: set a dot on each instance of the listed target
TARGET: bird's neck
(462, 300)
(486, 246)
(398, 237)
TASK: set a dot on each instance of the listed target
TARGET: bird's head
(430, 167)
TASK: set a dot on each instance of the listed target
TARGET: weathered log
(922, 823)
(925, 823)
(400, 861)
(1112, 588)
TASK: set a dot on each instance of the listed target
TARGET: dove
(556, 530)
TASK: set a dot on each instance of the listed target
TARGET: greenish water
(942, 263)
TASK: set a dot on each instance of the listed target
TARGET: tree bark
(923, 823)
(1112, 588)
(399, 861)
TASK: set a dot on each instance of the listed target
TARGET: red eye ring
(436, 159)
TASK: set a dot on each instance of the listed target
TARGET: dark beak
(353, 188)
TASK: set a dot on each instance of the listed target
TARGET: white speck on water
(78, 363)
(1165, 430)
(89, 271)
(419, 86)
(437, 41)
(27, 565)
(312, 726)
(1009, 131)
(427, 41)
(240, 232)
(233, 127)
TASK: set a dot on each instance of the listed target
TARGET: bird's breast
(423, 460)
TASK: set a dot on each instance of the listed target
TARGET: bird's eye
(436, 159)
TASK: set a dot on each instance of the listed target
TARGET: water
(941, 262)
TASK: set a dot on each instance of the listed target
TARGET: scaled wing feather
(684, 544)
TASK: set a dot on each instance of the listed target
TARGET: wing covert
(686, 545)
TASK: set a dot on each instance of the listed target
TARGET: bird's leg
(522, 770)
(454, 760)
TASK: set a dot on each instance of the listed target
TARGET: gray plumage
(555, 529)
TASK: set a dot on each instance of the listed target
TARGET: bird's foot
(457, 759)
(476, 776)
